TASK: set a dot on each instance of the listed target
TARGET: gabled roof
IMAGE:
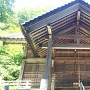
(56, 11)
(16, 38)
(63, 20)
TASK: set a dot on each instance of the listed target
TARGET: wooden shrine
(62, 36)
(58, 47)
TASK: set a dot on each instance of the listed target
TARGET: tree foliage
(10, 61)
(7, 21)
(11, 55)
(6, 10)
(29, 13)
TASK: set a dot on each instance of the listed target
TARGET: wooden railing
(18, 84)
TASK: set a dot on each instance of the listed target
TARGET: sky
(19, 4)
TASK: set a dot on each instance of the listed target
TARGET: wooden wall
(69, 66)
(33, 70)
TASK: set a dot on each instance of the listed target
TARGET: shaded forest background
(11, 55)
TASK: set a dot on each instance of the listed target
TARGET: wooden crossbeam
(81, 52)
(67, 46)
(67, 29)
(71, 36)
(85, 29)
(72, 61)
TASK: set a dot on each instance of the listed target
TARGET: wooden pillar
(22, 70)
(25, 50)
(46, 80)
(53, 82)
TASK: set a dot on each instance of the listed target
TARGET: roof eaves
(29, 41)
(43, 16)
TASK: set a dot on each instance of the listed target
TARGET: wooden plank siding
(69, 64)
(34, 70)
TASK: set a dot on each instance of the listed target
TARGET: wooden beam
(53, 18)
(78, 17)
(35, 60)
(77, 27)
(82, 57)
(81, 52)
(67, 46)
(53, 82)
(48, 62)
(71, 61)
(28, 40)
(49, 31)
(66, 30)
(86, 25)
(81, 60)
(85, 9)
(71, 36)
(85, 29)
(22, 70)
(31, 45)
(48, 59)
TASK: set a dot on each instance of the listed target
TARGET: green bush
(10, 61)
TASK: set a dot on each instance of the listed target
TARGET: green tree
(6, 14)
(10, 61)
(11, 55)
(6, 10)
(30, 13)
